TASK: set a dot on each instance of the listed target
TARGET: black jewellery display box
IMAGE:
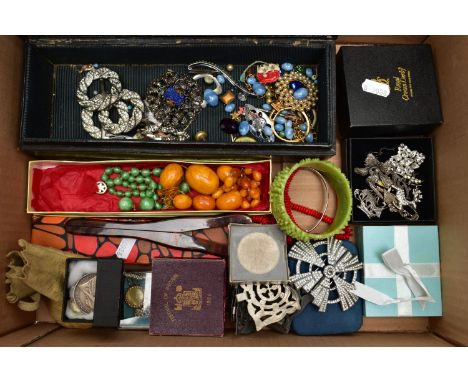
(387, 90)
(92, 291)
(51, 119)
(356, 151)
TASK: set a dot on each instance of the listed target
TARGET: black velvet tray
(356, 150)
(51, 114)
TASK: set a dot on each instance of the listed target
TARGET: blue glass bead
(279, 127)
(251, 80)
(173, 95)
(220, 78)
(289, 133)
(95, 66)
(309, 138)
(258, 89)
(294, 85)
(287, 66)
(244, 128)
(301, 93)
(309, 72)
(303, 127)
(281, 120)
(211, 97)
(130, 107)
(289, 123)
(266, 106)
(267, 130)
(229, 108)
(315, 82)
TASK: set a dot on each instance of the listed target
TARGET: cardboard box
(51, 119)
(418, 246)
(451, 54)
(408, 102)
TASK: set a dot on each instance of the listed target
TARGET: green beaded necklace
(136, 183)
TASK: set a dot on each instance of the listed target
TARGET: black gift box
(51, 119)
(412, 106)
(356, 150)
(108, 293)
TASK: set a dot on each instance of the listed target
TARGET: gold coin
(134, 297)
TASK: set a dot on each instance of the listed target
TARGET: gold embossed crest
(191, 299)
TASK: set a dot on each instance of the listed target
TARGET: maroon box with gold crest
(187, 297)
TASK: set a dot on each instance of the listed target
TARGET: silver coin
(84, 293)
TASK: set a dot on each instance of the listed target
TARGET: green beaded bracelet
(335, 178)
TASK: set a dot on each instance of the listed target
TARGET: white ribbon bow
(394, 263)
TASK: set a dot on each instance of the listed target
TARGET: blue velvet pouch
(311, 322)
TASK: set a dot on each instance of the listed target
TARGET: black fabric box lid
(108, 290)
(411, 108)
(108, 293)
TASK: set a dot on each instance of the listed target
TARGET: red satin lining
(72, 187)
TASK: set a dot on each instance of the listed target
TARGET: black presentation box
(412, 106)
(51, 121)
(108, 292)
(355, 152)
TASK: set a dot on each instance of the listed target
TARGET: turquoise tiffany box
(418, 246)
